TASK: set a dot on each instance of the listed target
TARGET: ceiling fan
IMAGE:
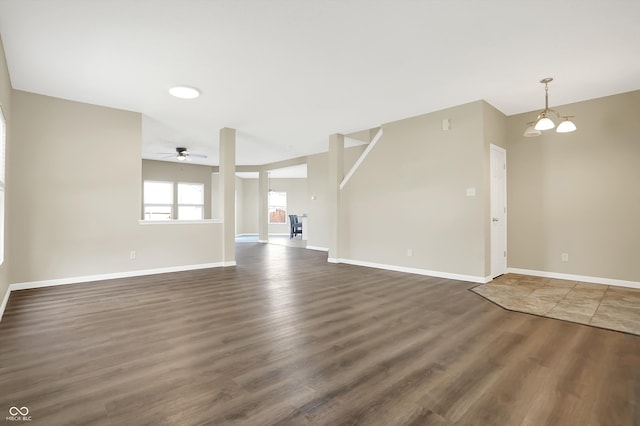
(183, 154)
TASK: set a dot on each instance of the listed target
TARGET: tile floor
(612, 307)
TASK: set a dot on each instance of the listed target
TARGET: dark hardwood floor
(287, 338)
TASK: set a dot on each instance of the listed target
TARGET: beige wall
(239, 205)
(317, 210)
(216, 199)
(180, 172)
(317, 179)
(495, 133)
(77, 169)
(5, 101)
(410, 193)
(578, 193)
(249, 211)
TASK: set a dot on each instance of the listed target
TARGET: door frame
(493, 237)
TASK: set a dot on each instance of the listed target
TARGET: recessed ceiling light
(184, 92)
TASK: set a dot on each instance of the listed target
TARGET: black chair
(296, 226)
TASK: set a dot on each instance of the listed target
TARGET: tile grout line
(599, 303)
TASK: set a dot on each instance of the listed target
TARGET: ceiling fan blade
(197, 155)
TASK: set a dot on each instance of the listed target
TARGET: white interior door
(498, 164)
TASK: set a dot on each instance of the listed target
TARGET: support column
(227, 181)
(336, 173)
(263, 207)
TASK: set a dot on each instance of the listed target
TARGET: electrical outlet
(409, 252)
(132, 254)
(565, 257)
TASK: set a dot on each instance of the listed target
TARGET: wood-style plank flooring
(287, 338)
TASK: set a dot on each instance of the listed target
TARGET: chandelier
(543, 122)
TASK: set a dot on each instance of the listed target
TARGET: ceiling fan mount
(182, 154)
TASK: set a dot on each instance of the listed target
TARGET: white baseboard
(318, 248)
(571, 277)
(418, 271)
(4, 302)
(102, 277)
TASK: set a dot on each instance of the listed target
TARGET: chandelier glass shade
(544, 122)
(531, 131)
(566, 126)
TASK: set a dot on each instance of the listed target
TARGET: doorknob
(495, 219)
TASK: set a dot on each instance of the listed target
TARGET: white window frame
(179, 204)
(274, 206)
(170, 205)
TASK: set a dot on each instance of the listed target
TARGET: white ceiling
(286, 74)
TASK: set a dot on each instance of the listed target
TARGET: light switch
(471, 192)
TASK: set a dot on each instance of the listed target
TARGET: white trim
(360, 159)
(501, 150)
(178, 222)
(418, 271)
(263, 241)
(318, 248)
(232, 263)
(115, 275)
(178, 204)
(571, 277)
(4, 302)
(3, 194)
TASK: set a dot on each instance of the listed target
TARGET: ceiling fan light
(531, 132)
(566, 126)
(545, 123)
(181, 157)
(184, 92)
